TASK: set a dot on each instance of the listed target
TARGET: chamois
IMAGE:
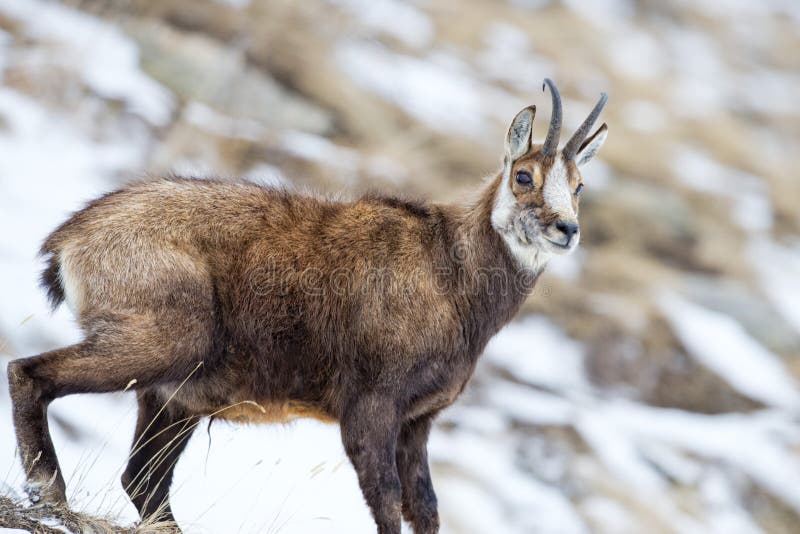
(249, 303)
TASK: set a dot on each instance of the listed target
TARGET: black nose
(567, 228)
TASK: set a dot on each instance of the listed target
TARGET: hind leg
(162, 432)
(419, 499)
(120, 350)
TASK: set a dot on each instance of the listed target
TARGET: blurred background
(651, 382)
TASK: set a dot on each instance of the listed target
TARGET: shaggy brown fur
(249, 303)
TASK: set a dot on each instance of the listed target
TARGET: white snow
(604, 13)
(536, 352)
(346, 161)
(724, 508)
(640, 445)
(527, 405)
(321, 150)
(264, 476)
(618, 452)
(438, 90)
(723, 346)
(509, 57)
(567, 267)
(637, 54)
(271, 475)
(392, 17)
(751, 208)
(698, 68)
(644, 116)
(778, 269)
(610, 516)
(108, 60)
(532, 506)
(212, 121)
(757, 444)
(767, 91)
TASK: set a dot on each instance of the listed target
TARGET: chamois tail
(50, 279)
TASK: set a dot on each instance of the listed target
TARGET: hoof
(45, 493)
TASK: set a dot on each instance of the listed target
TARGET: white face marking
(529, 255)
(532, 248)
(504, 202)
(557, 193)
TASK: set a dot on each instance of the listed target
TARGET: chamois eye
(579, 189)
(523, 178)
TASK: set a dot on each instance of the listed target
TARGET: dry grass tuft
(47, 519)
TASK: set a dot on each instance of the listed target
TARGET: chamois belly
(271, 411)
(224, 396)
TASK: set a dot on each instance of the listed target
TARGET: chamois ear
(590, 147)
(518, 138)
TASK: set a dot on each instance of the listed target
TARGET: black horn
(554, 131)
(572, 146)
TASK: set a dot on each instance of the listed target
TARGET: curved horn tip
(550, 146)
(572, 146)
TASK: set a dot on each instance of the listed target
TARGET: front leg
(419, 499)
(369, 433)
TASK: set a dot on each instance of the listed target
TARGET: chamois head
(536, 203)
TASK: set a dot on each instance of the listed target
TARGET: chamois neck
(475, 226)
(490, 283)
(473, 218)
